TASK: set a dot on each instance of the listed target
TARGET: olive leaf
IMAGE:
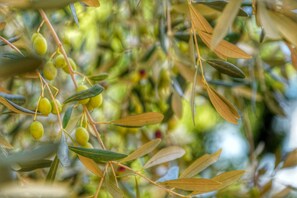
(99, 77)
(53, 169)
(88, 93)
(18, 99)
(97, 155)
(139, 120)
(226, 68)
(16, 108)
(67, 117)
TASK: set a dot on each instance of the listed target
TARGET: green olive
(44, 106)
(82, 136)
(36, 130)
(49, 71)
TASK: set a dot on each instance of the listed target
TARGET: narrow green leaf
(18, 99)
(63, 151)
(148, 54)
(91, 92)
(143, 150)
(97, 154)
(51, 175)
(34, 164)
(193, 184)
(99, 77)
(226, 68)
(19, 65)
(16, 108)
(67, 116)
(73, 11)
(139, 120)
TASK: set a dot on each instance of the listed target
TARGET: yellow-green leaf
(90, 165)
(224, 49)
(224, 22)
(200, 164)
(139, 120)
(193, 184)
(165, 155)
(222, 106)
(143, 150)
(198, 21)
(177, 105)
(228, 178)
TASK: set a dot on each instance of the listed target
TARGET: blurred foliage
(159, 78)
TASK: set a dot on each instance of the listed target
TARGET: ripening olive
(59, 61)
(72, 63)
(36, 130)
(95, 102)
(54, 111)
(39, 44)
(49, 71)
(81, 136)
(82, 88)
(44, 106)
(88, 145)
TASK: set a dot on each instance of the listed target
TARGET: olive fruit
(39, 44)
(44, 106)
(88, 145)
(49, 71)
(82, 88)
(95, 102)
(54, 111)
(81, 136)
(73, 65)
(36, 130)
(59, 61)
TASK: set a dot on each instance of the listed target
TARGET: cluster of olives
(50, 68)
(92, 102)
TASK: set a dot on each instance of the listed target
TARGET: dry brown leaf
(200, 164)
(165, 155)
(2, 25)
(91, 3)
(266, 22)
(228, 178)
(90, 165)
(193, 184)
(224, 22)
(177, 105)
(143, 150)
(247, 93)
(285, 26)
(291, 159)
(139, 120)
(222, 106)
(224, 48)
(266, 188)
(112, 187)
(5, 143)
(188, 72)
(198, 21)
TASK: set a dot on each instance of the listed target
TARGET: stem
(149, 180)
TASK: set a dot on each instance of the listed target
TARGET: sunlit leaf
(15, 108)
(223, 107)
(226, 68)
(98, 77)
(291, 159)
(139, 120)
(177, 105)
(112, 188)
(90, 165)
(91, 3)
(33, 165)
(4, 143)
(198, 21)
(143, 150)
(67, 116)
(228, 178)
(97, 154)
(224, 48)
(51, 175)
(220, 6)
(224, 22)
(88, 93)
(193, 184)
(165, 155)
(200, 164)
(19, 65)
